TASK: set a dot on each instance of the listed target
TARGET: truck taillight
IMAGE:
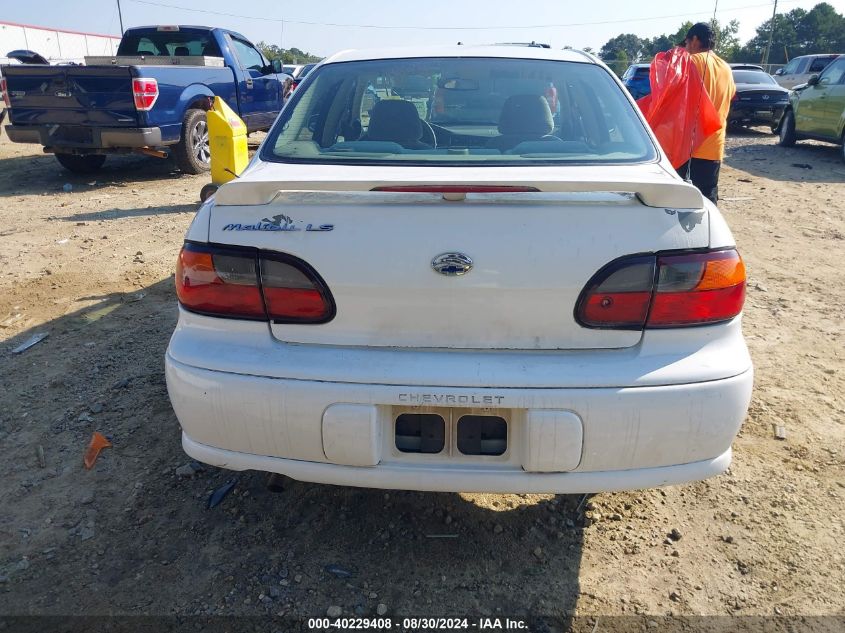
(145, 93)
(244, 283)
(5, 92)
(664, 291)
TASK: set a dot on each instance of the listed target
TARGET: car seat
(181, 51)
(398, 121)
(524, 118)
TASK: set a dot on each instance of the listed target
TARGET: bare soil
(93, 268)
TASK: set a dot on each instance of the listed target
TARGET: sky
(325, 26)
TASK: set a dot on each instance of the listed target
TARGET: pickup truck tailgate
(71, 95)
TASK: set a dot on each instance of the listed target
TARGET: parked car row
(814, 108)
(817, 111)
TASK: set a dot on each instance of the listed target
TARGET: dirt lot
(93, 268)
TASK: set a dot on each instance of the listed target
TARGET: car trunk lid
(532, 252)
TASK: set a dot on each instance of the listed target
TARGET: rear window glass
(182, 43)
(752, 77)
(459, 110)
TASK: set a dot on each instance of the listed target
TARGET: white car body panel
(586, 409)
(518, 296)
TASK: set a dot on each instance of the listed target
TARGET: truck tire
(193, 153)
(787, 130)
(81, 163)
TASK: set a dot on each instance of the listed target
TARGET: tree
(289, 56)
(727, 40)
(785, 37)
(627, 43)
(620, 63)
(821, 30)
(665, 42)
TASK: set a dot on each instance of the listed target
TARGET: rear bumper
(559, 440)
(410, 477)
(85, 137)
(756, 113)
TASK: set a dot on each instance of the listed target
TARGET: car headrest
(181, 51)
(394, 120)
(526, 114)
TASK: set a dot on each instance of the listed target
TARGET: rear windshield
(459, 110)
(305, 70)
(752, 77)
(182, 43)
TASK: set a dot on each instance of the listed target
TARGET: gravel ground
(92, 267)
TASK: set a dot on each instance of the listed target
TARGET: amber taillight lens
(664, 291)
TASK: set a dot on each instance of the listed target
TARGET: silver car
(799, 69)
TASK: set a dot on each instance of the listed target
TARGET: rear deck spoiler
(669, 194)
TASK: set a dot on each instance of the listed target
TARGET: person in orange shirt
(703, 168)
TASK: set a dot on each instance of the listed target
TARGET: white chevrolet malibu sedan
(461, 269)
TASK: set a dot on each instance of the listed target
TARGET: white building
(58, 46)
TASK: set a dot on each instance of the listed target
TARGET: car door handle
(249, 82)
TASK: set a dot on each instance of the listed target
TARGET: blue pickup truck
(151, 97)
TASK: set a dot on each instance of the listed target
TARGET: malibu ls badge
(452, 264)
(279, 222)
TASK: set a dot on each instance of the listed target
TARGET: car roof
(194, 27)
(503, 52)
(745, 67)
(818, 55)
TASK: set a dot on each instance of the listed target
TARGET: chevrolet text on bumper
(410, 296)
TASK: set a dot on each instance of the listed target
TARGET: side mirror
(276, 66)
(779, 71)
(813, 80)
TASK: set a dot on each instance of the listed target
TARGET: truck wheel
(81, 163)
(193, 153)
(787, 130)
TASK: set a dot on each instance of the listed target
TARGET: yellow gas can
(227, 142)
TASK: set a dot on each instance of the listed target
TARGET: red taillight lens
(4, 91)
(619, 295)
(293, 292)
(145, 93)
(698, 288)
(664, 291)
(250, 284)
(219, 283)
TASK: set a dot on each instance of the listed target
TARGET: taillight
(293, 292)
(145, 93)
(697, 288)
(619, 295)
(664, 291)
(250, 284)
(4, 92)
